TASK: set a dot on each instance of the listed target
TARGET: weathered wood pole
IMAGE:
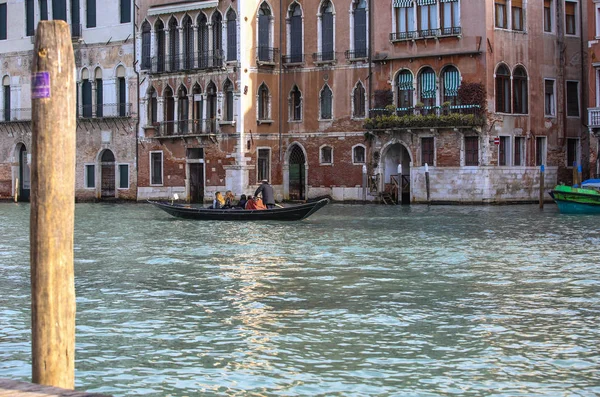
(427, 183)
(542, 171)
(575, 181)
(53, 206)
(579, 175)
(364, 182)
(17, 190)
(399, 198)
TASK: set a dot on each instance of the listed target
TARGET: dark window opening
(90, 14)
(471, 151)
(125, 11)
(427, 152)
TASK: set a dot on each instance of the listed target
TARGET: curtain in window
(326, 99)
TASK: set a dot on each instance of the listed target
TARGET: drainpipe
(137, 122)
(584, 132)
(280, 79)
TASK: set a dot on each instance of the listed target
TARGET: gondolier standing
(267, 194)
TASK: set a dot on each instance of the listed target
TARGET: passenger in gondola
(219, 201)
(242, 202)
(229, 200)
(255, 203)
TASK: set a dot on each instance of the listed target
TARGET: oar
(280, 206)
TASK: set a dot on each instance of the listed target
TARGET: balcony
(323, 58)
(357, 55)
(184, 62)
(267, 56)
(15, 115)
(425, 117)
(594, 117)
(293, 60)
(426, 34)
(182, 128)
(106, 110)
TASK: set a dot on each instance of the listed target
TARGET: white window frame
(597, 19)
(578, 99)
(577, 27)
(268, 119)
(552, 17)
(258, 149)
(509, 21)
(128, 179)
(320, 28)
(545, 150)
(320, 103)
(508, 150)
(522, 151)
(553, 115)
(321, 161)
(353, 159)
(85, 176)
(162, 168)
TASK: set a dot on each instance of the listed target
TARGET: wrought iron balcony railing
(324, 57)
(293, 59)
(186, 127)
(184, 62)
(105, 110)
(17, 114)
(426, 33)
(267, 54)
(360, 53)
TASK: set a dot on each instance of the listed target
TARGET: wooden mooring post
(542, 171)
(53, 97)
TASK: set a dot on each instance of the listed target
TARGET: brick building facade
(106, 86)
(593, 91)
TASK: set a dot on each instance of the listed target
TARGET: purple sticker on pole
(40, 85)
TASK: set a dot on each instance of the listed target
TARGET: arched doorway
(394, 155)
(24, 186)
(297, 173)
(107, 177)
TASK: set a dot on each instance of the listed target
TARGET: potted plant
(419, 107)
(446, 107)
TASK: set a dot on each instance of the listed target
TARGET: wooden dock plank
(13, 388)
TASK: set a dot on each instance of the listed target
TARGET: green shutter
(451, 82)
(427, 82)
(405, 81)
(403, 3)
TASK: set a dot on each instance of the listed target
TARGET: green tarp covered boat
(584, 199)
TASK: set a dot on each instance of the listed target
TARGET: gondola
(290, 213)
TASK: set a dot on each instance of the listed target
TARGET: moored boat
(290, 213)
(584, 199)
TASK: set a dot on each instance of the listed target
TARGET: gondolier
(266, 191)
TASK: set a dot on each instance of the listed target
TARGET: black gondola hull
(292, 213)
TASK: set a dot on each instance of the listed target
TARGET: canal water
(355, 301)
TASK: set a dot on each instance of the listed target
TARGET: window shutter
(327, 39)
(125, 11)
(29, 18)
(59, 10)
(231, 37)
(91, 14)
(43, 10)
(296, 39)
(360, 33)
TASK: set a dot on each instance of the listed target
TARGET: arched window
(295, 33)
(6, 97)
(427, 87)
(231, 36)
(217, 29)
(159, 28)
(86, 94)
(502, 89)
(359, 40)
(183, 107)
(146, 46)
(169, 111)
(203, 51)
(358, 100)
(405, 87)
(265, 52)
(152, 106)
(211, 107)
(326, 19)
(295, 104)
(188, 43)
(451, 82)
(99, 93)
(173, 45)
(520, 92)
(326, 155)
(358, 154)
(326, 103)
(228, 91)
(263, 102)
(198, 109)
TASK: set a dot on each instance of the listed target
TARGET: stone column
(211, 58)
(93, 82)
(176, 114)
(167, 50)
